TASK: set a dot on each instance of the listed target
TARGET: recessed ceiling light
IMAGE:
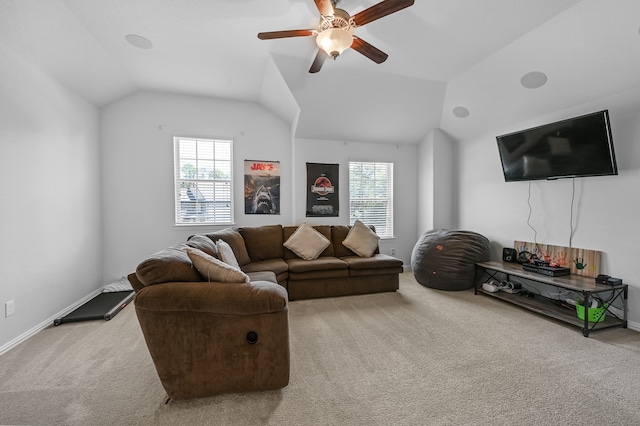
(533, 80)
(461, 112)
(138, 41)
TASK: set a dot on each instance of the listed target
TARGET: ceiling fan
(335, 34)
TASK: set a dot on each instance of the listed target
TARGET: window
(203, 171)
(371, 196)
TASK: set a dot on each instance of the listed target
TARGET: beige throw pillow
(306, 242)
(213, 269)
(361, 240)
(225, 252)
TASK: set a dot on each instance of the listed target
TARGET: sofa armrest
(207, 338)
(135, 282)
(258, 297)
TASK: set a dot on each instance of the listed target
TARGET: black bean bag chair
(445, 260)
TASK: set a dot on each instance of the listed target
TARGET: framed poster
(322, 190)
(261, 187)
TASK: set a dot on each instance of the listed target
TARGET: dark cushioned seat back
(325, 230)
(338, 234)
(204, 243)
(263, 242)
(170, 264)
(232, 237)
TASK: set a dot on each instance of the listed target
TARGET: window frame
(204, 209)
(386, 231)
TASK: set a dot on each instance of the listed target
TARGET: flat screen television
(577, 147)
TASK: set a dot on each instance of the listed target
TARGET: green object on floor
(595, 314)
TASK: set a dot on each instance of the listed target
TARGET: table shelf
(584, 286)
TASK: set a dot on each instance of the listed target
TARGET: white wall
(405, 194)
(437, 180)
(137, 157)
(605, 208)
(445, 182)
(425, 183)
(50, 255)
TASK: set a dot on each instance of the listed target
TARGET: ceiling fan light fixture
(334, 41)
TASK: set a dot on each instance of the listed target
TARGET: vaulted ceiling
(443, 54)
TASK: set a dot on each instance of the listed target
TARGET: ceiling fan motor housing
(339, 19)
(336, 33)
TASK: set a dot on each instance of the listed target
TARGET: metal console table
(586, 287)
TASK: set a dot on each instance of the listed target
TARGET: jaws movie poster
(261, 187)
(322, 190)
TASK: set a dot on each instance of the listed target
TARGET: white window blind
(203, 185)
(371, 196)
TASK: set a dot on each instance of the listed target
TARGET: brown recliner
(207, 338)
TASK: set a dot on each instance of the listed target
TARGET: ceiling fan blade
(325, 7)
(283, 34)
(321, 56)
(379, 10)
(373, 53)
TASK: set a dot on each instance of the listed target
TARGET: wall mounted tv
(577, 147)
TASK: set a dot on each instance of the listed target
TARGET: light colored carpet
(415, 357)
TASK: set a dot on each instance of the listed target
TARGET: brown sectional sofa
(336, 272)
(213, 338)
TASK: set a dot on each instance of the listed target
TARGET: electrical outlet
(393, 252)
(9, 308)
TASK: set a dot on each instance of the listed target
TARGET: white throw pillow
(306, 242)
(213, 269)
(226, 254)
(361, 240)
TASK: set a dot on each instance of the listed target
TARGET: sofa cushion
(338, 235)
(203, 243)
(263, 242)
(171, 264)
(263, 276)
(277, 266)
(375, 261)
(213, 269)
(325, 230)
(361, 240)
(232, 237)
(306, 242)
(377, 272)
(319, 264)
(225, 253)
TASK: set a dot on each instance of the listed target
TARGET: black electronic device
(552, 271)
(608, 280)
(577, 147)
(509, 255)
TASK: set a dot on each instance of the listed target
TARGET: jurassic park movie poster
(322, 190)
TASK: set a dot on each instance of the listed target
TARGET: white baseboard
(46, 323)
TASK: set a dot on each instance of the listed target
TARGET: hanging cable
(573, 196)
(535, 233)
